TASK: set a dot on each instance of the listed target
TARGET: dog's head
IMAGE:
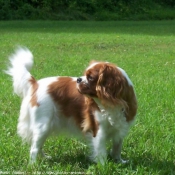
(105, 82)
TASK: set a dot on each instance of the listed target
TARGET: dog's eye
(90, 78)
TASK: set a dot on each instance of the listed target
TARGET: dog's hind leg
(40, 135)
(41, 125)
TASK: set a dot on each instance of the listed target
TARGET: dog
(112, 90)
(100, 105)
(49, 105)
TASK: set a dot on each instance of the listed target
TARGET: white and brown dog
(54, 105)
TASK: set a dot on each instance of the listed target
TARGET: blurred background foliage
(87, 9)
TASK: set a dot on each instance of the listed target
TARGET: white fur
(21, 63)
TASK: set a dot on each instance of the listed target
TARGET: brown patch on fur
(34, 85)
(73, 104)
(89, 123)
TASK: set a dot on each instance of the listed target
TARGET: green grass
(146, 50)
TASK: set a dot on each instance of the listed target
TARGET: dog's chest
(113, 123)
(112, 118)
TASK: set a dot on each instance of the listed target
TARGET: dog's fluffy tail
(21, 63)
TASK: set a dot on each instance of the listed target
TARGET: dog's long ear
(111, 85)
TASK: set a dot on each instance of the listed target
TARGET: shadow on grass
(146, 162)
(153, 164)
(81, 160)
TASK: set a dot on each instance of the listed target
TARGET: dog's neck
(110, 114)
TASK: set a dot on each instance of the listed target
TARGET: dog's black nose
(79, 80)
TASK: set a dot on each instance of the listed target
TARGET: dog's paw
(43, 155)
(121, 161)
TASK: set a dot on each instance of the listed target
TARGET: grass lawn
(146, 50)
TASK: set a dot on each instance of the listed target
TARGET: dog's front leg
(99, 146)
(116, 151)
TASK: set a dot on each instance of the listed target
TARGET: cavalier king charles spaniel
(100, 105)
(112, 90)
